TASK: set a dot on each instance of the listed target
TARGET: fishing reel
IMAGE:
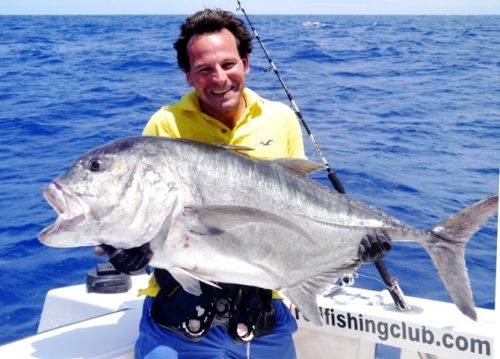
(347, 280)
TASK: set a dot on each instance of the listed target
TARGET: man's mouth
(221, 92)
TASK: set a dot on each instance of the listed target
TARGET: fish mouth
(69, 206)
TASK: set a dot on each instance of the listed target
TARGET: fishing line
(330, 172)
(373, 278)
(389, 281)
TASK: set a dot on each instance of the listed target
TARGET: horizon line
(252, 14)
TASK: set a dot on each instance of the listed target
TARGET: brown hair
(210, 21)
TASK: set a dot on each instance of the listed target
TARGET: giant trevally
(213, 214)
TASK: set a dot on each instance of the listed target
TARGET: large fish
(215, 215)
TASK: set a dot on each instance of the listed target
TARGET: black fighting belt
(246, 312)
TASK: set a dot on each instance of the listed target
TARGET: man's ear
(246, 65)
(188, 78)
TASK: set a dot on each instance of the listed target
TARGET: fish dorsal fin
(236, 148)
(299, 165)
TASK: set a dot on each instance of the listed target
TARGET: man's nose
(219, 74)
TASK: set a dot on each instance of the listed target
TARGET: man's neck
(230, 119)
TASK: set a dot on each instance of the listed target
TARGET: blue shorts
(157, 342)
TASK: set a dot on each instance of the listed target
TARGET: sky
(330, 7)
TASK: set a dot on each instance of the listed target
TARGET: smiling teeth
(221, 92)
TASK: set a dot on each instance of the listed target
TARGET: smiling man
(213, 51)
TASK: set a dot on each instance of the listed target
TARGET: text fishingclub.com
(402, 331)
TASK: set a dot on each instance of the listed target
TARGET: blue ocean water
(406, 109)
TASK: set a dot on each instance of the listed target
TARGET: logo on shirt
(266, 143)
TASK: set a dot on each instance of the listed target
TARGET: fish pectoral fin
(299, 165)
(304, 295)
(215, 220)
(190, 281)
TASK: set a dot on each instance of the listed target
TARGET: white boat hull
(77, 324)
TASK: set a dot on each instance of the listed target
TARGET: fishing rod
(390, 282)
(331, 173)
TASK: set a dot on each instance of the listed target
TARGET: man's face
(217, 73)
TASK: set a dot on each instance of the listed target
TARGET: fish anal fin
(304, 294)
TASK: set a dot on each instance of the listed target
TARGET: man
(213, 51)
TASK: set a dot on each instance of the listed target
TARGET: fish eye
(95, 165)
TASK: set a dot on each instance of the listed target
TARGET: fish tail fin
(446, 243)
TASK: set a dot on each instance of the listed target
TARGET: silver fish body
(215, 215)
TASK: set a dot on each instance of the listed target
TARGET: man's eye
(228, 66)
(95, 165)
(204, 70)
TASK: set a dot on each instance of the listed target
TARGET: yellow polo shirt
(270, 128)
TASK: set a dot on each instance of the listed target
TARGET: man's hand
(373, 247)
(129, 261)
